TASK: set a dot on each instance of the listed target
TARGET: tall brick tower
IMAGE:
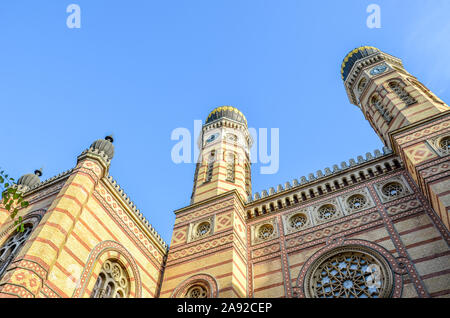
(407, 116)
(208, 254)
(224, 162)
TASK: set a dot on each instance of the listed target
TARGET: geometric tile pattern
(326, 232)
(419, 153)
(266, 250)
(403, 206)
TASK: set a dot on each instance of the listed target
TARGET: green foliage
(12, 200)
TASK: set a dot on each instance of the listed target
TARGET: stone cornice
(211, 200)
(134, 213)
(320, 176)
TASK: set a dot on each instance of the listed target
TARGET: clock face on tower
(212, 137)
(378, 69)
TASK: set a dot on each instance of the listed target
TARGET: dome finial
(29, 180)
(105, 145)
(38, 172)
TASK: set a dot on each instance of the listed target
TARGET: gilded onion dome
(354, 56)
(30, 179)
(105, 145)
(229, 112)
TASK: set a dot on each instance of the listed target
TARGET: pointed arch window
(399, 90)
(12, 246)
(112, 282)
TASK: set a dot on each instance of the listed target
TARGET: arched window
(197, 286)
(336, 185)
(264, 210)
(362, 84)
(12, 246)
(247, 178)
(209, 170)
(375, 101)
(426, 91)
(112, 282)
(319, 189)
(344, 181)
(379, 170)
(280, 205)
(401, 93)
(288, 202)
(231, 160)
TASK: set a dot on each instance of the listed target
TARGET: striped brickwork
(402, 114)
(83, 222)
(406, 230)
(222, 253)
(429, 167)
(208, 186)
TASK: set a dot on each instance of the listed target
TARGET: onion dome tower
(105, 145)
(29, 180)
(224, 161)
(389, 97)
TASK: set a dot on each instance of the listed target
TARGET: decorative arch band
(109, 250)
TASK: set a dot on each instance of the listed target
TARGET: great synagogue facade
(377, 226)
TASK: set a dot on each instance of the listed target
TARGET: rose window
(444, 145)
(356, 202)
(112, 282)
(392, 189)
(203, 228)
(350, 274)
(297, 221)
(197, 291)
(265, 231)
(327, 212)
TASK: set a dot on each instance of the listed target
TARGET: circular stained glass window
(392, 189)
(349, 274)
(265, 231)
(298, 220)
(203, 228)
(326, 211)
(356, 202)
(197, 291)
(444, 145)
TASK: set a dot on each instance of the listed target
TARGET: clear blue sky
(139, 69)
